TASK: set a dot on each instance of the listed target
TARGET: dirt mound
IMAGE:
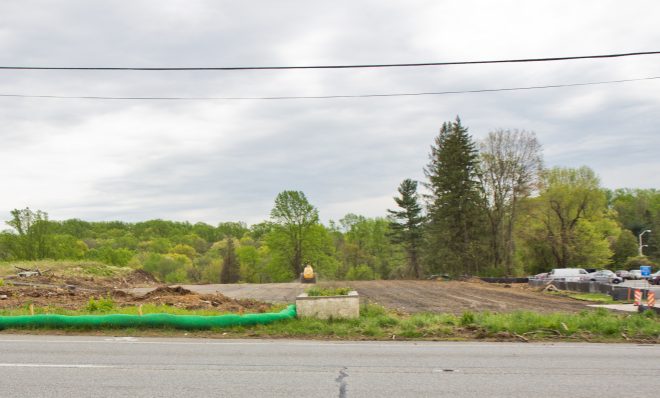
(74, 298)
(140, 276)
(177, 296)
(167, 291)
(43, 296)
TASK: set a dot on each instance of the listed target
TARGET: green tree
(108, 255)
(186, 250)
(33, 234)
(294, 217)
(456, 207)
(230, 265)
(65, 246)
(231, 229)
(406, 225)
(624, 247)
(567, 225)
(169, 268)
(638, 210)
(511, 163)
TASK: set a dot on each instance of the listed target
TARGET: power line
(355, 66)
(486, 90)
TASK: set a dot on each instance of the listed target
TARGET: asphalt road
(85, 366)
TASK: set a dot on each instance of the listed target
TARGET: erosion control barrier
(144, 321)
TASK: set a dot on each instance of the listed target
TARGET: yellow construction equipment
(308, 275)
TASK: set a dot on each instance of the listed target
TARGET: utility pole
(640, 242)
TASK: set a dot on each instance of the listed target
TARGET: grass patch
(325, 292)
(376, 323)
(599, 298)
(128, 310)
(66, 268)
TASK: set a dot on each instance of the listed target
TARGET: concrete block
(329, 306)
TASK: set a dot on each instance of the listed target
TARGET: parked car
(604, 276)
(542, 275)
(655, 278)
(622, 273)
(637, 274)
(567, 274)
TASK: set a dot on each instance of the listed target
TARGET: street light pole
(640, 242)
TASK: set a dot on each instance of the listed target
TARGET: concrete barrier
(325, 307)
(617, 292)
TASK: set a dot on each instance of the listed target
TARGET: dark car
(654, 279)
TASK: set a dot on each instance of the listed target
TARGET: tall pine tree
(406, 224)
(455, 205)
(230, 267)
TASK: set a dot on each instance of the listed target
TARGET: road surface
(86, 366)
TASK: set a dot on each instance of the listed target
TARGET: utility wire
(486, 90)
(356, 66)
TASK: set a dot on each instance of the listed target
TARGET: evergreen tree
(230, 267)
(456, 205)
(406, 224)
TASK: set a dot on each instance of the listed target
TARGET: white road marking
(54, 365)
(124, 339)
(335, 344)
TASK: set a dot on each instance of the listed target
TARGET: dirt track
(413, 296)
(457, 297)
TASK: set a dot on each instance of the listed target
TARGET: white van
(568, 274)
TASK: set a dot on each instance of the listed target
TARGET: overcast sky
(218, 161)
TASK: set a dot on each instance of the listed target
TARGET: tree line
(486, 207)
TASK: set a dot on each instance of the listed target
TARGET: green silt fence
(143, 321)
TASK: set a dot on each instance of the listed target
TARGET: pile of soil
(167, 291)
(180, 297)
(44, 295)
(138, 277)
(74, 294)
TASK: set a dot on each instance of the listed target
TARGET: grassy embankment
(65, 268)
(377, 323)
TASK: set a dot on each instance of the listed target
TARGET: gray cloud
(215, 161)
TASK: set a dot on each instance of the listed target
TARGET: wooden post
(31, 309)
(140, 309)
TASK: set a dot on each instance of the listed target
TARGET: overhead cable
(303, 97)
(354, 66)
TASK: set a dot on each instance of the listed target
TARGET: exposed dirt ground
(75, 293)
(457, 297)
(414, 296)
(405, 296)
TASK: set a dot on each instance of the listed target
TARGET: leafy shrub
(467, 318)
(100, 305)
(2, 282)
(324, 292)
